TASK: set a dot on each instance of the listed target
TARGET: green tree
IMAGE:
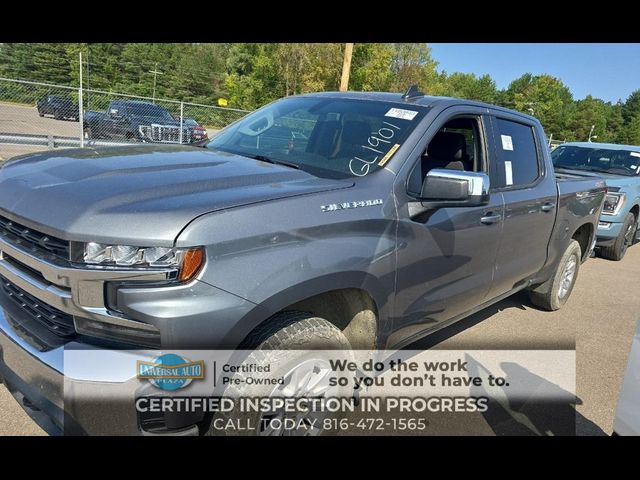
(631, 116)
(545, 97)
(588, 112)
(411, 63)
(631, 107)
(370, 67)
(615, 123)
(467, 85)
(16, 60)
(632, 134)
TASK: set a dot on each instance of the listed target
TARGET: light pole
(591, 134)
(155, 78)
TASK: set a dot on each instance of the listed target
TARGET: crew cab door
(446, 255)
(530, 195)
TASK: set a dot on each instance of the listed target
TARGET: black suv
(58, 106)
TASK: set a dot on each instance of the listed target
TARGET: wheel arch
(584, 235)
(352, 306)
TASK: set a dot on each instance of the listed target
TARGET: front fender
(278, 252)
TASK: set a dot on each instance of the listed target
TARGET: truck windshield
(597, 159)
(327, 137)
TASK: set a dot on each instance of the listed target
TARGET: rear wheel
(555, 292)
(626, 238)
(57, 115)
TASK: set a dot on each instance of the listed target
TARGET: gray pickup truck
(339, 220)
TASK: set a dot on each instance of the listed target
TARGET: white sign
(401, 113)
(508, 172)
(507, 142)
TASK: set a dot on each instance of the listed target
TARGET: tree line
(252, 74)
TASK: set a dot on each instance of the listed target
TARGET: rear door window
(517, 160)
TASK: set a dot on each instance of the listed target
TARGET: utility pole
(346, 67)
(88, 107)
(80, 106)
(155, 79)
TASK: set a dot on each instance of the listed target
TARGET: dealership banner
(320, 392)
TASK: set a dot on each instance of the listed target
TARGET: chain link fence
(38, 116)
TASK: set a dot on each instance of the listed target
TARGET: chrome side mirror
(442, 187)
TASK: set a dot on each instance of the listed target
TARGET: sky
(609, 71)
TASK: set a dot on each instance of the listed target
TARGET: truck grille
(55, 321)
(168, 133)
(33, 239)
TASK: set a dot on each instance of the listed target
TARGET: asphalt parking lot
(25, 120)
(599, 320)
(16, 118)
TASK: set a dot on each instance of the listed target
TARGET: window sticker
(507, 143)
(508, 172)
(401, 113)
(635, 154)
(389, 154)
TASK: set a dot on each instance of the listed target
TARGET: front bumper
(33, 378)
(607, 232)
(66, 392)
(63, 405)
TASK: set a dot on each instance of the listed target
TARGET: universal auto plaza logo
(170, 371)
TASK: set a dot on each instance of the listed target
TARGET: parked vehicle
(135, 121)
(627, 419)
(198, 132)
(387, 218)
(58, 106)
(619, 165)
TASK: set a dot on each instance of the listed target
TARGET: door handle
(547, 207)
(490, 218)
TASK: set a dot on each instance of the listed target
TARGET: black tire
(57, 115)
(555, 292)
(626, 238)
(286, 342)
(40, 113)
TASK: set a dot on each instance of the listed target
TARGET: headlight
(187, 260)
(613, 203)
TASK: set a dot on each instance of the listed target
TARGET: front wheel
(555, 292)
(291, 347)
(626, 238)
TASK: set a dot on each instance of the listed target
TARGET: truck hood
(140, 195)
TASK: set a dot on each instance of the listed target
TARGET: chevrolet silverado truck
(619, 165)
(330, 220)
(135, 121)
